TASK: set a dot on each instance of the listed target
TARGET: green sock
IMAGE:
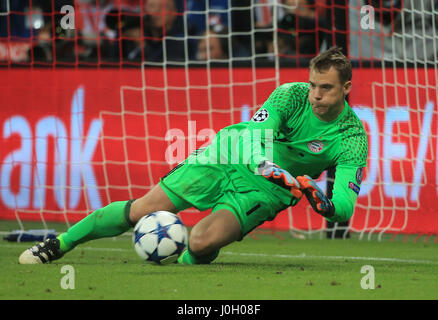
(187, 257)
(108, 221)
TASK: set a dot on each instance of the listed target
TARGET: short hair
(333, 57)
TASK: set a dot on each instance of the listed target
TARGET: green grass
(269, 267)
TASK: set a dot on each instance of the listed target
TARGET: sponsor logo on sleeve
(354, 187)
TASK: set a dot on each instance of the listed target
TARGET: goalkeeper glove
(316, 197)
(280, 177)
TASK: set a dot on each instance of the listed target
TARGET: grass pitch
(264, 267)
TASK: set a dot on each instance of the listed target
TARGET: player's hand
(280, 177)
(316, 197)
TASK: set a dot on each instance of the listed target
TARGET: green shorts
(208, 186)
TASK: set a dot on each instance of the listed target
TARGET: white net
(206, 65)
(395, 46)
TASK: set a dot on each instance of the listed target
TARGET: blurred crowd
(176, 31)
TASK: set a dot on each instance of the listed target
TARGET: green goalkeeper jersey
(286, 131)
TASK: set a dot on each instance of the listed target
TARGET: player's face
(327, 93)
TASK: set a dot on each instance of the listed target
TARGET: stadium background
(85, 111)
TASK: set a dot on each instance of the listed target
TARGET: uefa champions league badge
(359, 175)
(315, 146)
(261, 115)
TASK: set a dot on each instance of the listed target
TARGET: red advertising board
(74, 140)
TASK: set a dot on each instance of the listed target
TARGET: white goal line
(281, 256)
(316, 257)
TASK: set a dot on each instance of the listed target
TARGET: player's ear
(347, 87)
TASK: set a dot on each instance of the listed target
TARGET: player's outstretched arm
(316, 197)
(281, 177)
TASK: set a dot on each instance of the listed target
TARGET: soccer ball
(160, 237)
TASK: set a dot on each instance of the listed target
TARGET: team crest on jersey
(261, 115)
(315, 146)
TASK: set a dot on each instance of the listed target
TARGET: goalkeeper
(251, 171)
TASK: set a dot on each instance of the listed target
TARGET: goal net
(394, 44)
(102, 98)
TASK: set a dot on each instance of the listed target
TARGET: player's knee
(201, 243)
(214, 232)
